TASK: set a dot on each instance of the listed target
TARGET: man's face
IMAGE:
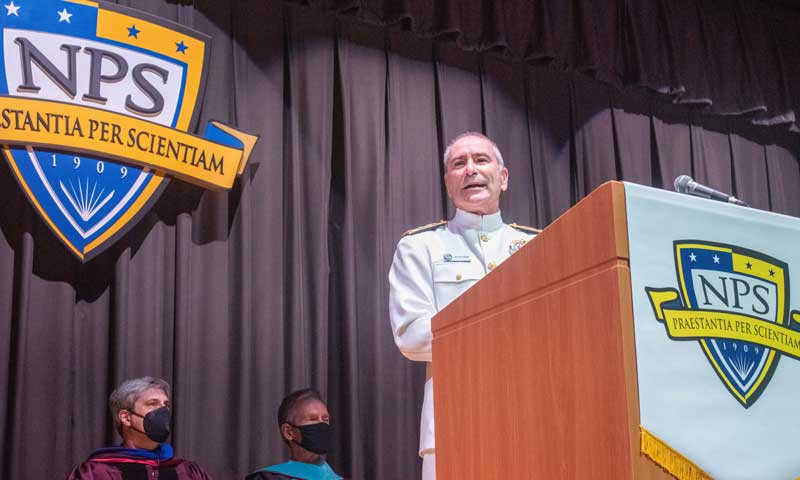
(149, 400)
(473, 177)
(309, 412)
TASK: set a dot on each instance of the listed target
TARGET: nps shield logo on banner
(735, 303)
(95, 104)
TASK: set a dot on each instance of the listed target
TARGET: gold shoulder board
(425, 228)
(523, 228)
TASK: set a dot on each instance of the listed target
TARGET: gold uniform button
(484, 238)
(458, 276)
(491, 265)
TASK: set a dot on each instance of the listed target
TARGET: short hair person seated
(304, 424)
(140, 408)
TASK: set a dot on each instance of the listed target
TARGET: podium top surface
(591, 233)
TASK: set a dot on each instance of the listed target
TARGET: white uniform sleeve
(411, 299)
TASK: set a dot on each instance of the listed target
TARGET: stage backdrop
(239, 297)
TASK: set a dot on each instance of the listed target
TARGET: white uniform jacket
(432, 266)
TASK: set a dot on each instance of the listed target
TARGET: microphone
(685, 184)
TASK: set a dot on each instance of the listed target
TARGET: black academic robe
(268, 476)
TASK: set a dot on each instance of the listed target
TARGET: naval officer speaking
(436, 263)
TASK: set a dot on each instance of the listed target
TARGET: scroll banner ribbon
(686, 324)
(212, 161)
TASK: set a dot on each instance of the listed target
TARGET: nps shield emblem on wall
(734, 302)
(95, 104)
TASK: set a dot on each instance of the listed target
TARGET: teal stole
(304, 471)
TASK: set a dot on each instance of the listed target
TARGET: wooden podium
(535, 367)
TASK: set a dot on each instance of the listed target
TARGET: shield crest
(83, 53)
(726, 278)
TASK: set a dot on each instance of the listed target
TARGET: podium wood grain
(535, 367)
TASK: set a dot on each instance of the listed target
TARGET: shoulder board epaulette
(425, 228)
(523, 228)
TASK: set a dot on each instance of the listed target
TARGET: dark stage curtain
(239, 297)
(730, 56)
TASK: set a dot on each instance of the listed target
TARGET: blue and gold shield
(85, 87)
(735, 303)
(731, 279)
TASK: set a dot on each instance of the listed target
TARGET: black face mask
(156, 424)
(317, 437)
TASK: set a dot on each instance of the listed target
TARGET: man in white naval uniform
(436, 263)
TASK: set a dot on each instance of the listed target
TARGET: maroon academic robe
(131, 464)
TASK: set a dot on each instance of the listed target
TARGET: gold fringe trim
(670, 460)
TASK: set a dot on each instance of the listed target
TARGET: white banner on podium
(715, 293)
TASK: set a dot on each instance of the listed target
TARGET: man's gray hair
(126, 394)
(496, 150)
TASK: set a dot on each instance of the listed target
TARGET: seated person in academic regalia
(305, 426)
(141, 411)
